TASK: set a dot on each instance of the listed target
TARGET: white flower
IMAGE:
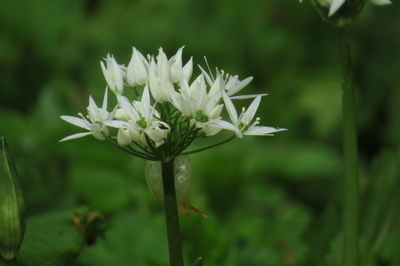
(244, 124)
(179, 72)
(230, 84)
(233, 85)
(139, 119)
(94, 123)
(194, 101)
(160, 83)
(113, 73)
(176, 66)
(137, 69)
(335, 5)
(172, 109)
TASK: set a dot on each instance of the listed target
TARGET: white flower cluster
(168, 110)
(335, 5)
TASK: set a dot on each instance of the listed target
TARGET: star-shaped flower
(244, 124)
(94, 122)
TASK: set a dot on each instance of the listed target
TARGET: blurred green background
(270, 200)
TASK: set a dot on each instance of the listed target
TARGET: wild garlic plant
(168, 111)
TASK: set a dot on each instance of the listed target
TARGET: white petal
(251, 111)
(224, 125)
(75, 121)
(176, 65)
(120, 114)
(157, 131)
(187, 69)
(335, 5)
(136, 71)
(126, 105)
(105, 100)
(93, 110)
(76, 136)
(118, 75)
(124, 137)
(146, 95)
(231, 83)
(118, 124)
(240, 85)
(106, 74)
(248, 96)
(262, 131)
(216, 87)
(230, 108)
(163, 66)
(207, 76)
(210, 130)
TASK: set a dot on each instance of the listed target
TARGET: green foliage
(136, 237)
(51, 239)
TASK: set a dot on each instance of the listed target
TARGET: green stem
(350, 207)
(135, 153)
(171, 214)
(209, 147)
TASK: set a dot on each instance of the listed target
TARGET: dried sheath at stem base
(182, 178)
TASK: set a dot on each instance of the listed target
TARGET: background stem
(350, 206)
(171, 214)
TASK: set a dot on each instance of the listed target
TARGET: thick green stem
(171, 214)
(350, 203)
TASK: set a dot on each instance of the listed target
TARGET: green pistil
(201, 117)
(142, 123)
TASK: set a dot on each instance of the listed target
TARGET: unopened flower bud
(176, 66)
(113, 73)
(124, 137)
(12, 210)
(136, 71)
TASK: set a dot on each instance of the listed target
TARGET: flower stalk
(171, 214)
(350, 204)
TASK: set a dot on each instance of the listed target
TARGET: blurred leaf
(14, 125)
(321, 232)
(103, 189)
(321, 99)
(389, 252)
(381, 199)
(335, 255)
(51, 239)
(134, 238)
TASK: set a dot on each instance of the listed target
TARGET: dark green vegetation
(270, 200)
